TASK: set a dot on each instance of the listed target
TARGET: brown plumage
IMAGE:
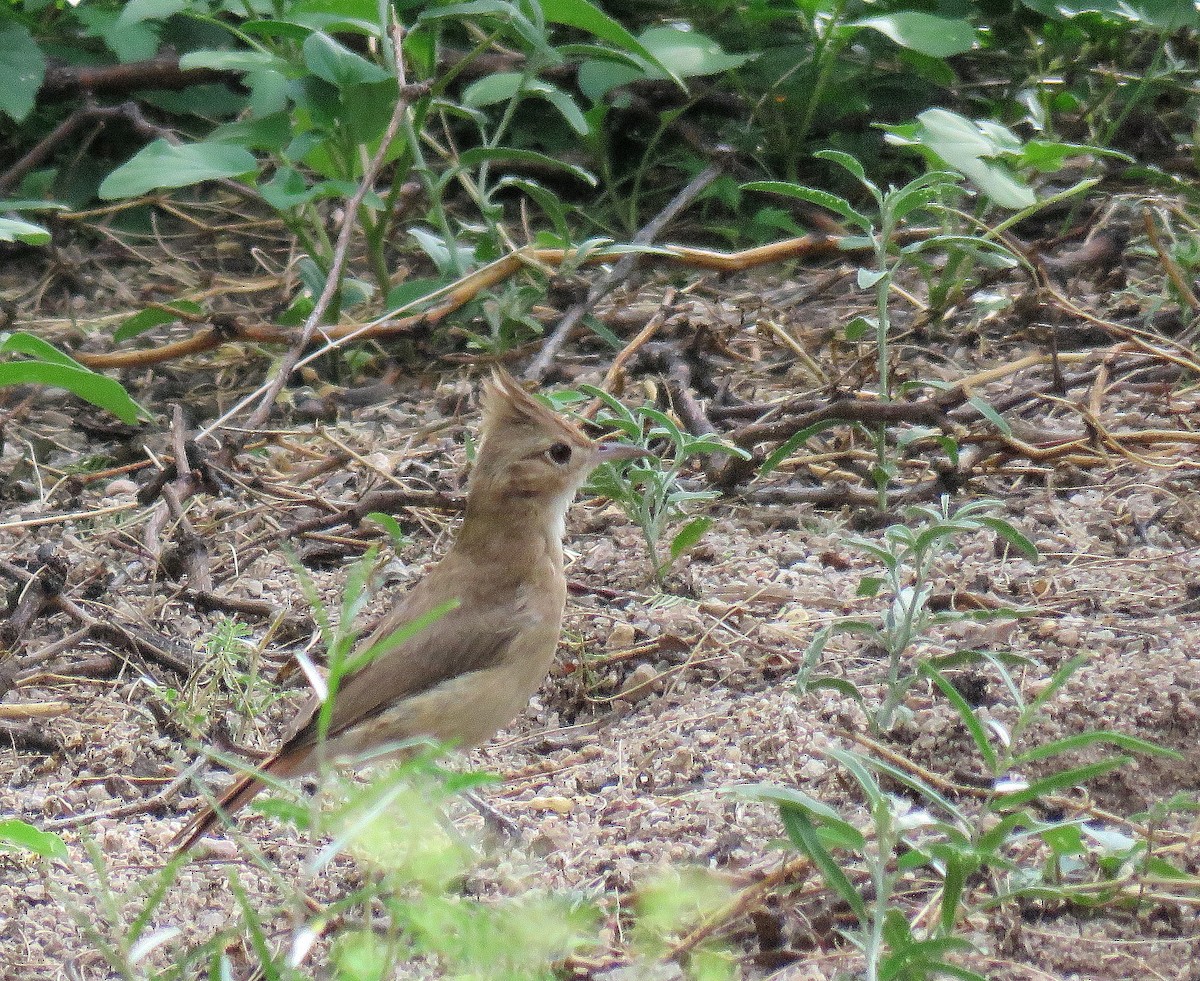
(469, 673)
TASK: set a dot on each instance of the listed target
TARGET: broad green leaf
(286, 189)
(168, 165)
(409, 293)
(837, 205)
(24, 68)
(846, 162)
(142, 321)
(972, 148)
(503, 86)
(860, 327)
(1048, 156)
(271, 132)
(136, 11)
(88, 385)
(128, 41)
(16, 834)
(16, 230)
(337, 64)
(830, 683)
(869, 277)
(1008, 532)
(389, 524)
(19, 342)
(590, 18)
(689, 53)
(681, 53)
(937, 37)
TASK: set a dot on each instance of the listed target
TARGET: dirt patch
(622, 765)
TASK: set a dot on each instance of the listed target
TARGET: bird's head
(530, 454)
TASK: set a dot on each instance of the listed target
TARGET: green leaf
(503, 86)
(16, 834)
(825, 815)
(832, 202)
(128, 41)
(167, 165)
(1010, 535)
(137, 11)
(675, 54)
(803, 835)
(994, 417)
(839, 685)
(972, 148)
(24, 68)
(691, 533)
(88, 385)
(869, 586)
(869, 277)
(409, 293)
(928, 34)
(1063, 780)
(390, 525)
(337, 64)
(1094, 737)
(788, 446)
(690, 53)
(848, 163)
(20, 342)
(141, 322)
(965, 712)
(588, 17)
(16, 230)
(477, 155)
(236, 61)
(860, 327)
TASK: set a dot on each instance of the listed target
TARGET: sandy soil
(623, 763)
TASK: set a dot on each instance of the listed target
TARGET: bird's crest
(507, 405)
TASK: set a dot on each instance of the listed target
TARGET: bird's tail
(244, 790)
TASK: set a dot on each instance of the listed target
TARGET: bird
(469, 673)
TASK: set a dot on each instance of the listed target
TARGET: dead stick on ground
(614, 378)
(741, 904)
(619, 271)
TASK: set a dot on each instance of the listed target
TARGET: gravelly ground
(623, 766)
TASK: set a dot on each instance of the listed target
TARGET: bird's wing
(467, 638)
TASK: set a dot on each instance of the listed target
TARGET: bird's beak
(616, 452)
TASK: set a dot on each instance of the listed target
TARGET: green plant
(930, 865)
(926, 193)
(652, 493)
(1001, 747)
(230, 674)
(317, 109)
(892, 943)
(909, 556)
(40, 363)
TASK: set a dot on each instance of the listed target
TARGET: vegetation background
(884, 666)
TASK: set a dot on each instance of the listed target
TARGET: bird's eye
(560, 453)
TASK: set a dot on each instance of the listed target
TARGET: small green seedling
(652, 491)
(909, 555)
